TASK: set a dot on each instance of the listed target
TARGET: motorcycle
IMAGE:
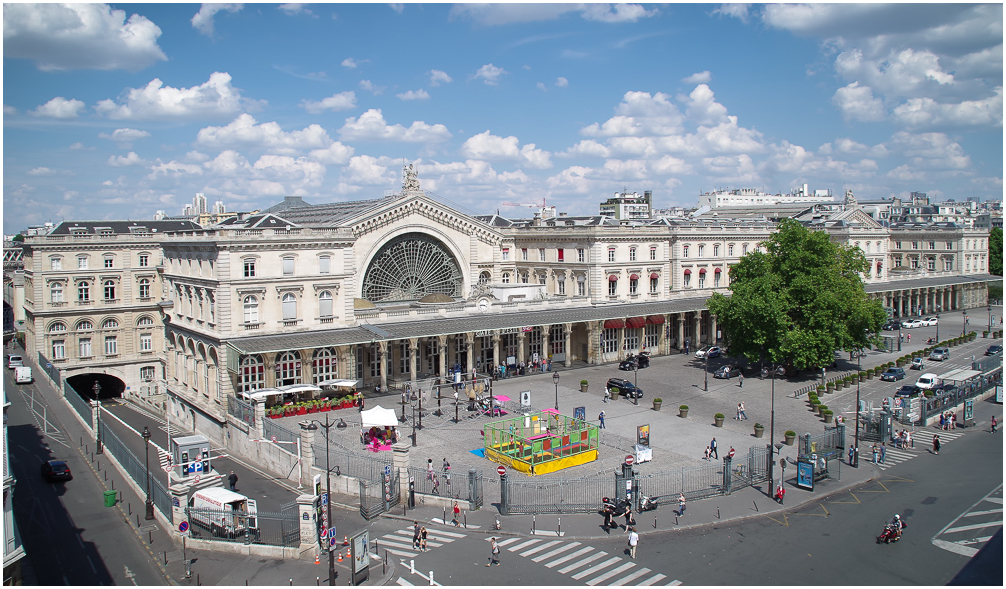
(891, 533)
(615, 507)
(647, 503)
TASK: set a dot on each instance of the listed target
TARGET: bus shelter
(541, 442)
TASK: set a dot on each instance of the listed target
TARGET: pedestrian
(743, 414)
(740, 380)
(607, 518)
(712, 450)
(429, 469)
(876, 451)
(415, 534)
(851, 450)
(232, 479)
(993, 424)
(457, 512)
(629, 520)
(423, 534)
(780, 493)
(705, 455)
(686, 347)
(909, 439)
(681, 504)
(607, 394)
(600, 418)
(633, 541)
(943, 420)
(737, 413)
(909, 338)
(359, 397)
(883, 453)
(936, 444)
(953, 421)
(494, 552)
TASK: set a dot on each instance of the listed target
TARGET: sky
(118, 111)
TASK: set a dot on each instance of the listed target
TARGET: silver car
(940, 354)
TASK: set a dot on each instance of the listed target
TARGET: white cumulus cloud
(213, 99)
(486, 146)
(414, 95)
(698, 78)
(125, 135)
(561, 82)
(245, 131)
(203, 20)
(371, 87)
(79, 36)
(438, 77)
(41, 171)
(59, 108)
(371, 126)
(858, 103)
(337, 153)
(349, 62)
(130, 159)
(341, 101)
(489, 74)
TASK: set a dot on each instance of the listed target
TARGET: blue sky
(117, 111)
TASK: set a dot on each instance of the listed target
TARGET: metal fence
(380, 496)
(695, 482)
(136, 470)
(436, 483)
(275, 432)
(79, 404)
(45, 366)
(224, 525)
(968, 390)
(581, 495)
(242, 410)
(348, 464)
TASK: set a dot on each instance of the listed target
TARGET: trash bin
(110, 497)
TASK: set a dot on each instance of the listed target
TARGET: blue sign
(183, 527)
(175, 502)
(324, 498)
(805, 475)
(387, 470)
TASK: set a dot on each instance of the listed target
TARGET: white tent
(379, 417)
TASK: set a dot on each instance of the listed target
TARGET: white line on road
(956, 548)
(597, 567)
(552, 553)
(973, 527)
(583, 562)
(983, 512)
(556, 563)
(540, 548)
(653, 579)
(625, 580)
(611, 573)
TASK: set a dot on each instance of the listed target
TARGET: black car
(620, 386)
(56, 470)
(635, 361)
(993, 350)
(893, 374)
(892, 326)
(907, 390)
(727, 371)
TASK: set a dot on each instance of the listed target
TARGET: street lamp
(990, 316)
(705, 369)
(97, 403)
(313, 426)
(771, 433)
(635, 378)
(964, 327)
(855, 445)
(146, 464)
(937, 326)
(555, 379)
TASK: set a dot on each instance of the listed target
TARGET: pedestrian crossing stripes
(923, 444)
(400, 543)
(584, 563)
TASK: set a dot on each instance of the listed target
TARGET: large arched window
(288, 369)
(109, 286)
(325, 365)
(145, 321)
(84, 325)
(252, 375)
(289, 307)
(325, 304)
(251, 309)
(409, 267)
(110, 324)
(83, 291)
(57, 327)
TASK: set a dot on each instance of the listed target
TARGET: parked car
(940, 354)
(907, 390)
(993, 350)
(708, 351)
(892, 325)
(911, 323)
(893, 374)
(620, 386)
(930, 321)
(56, 470)
(13, 361)
(918, 363)
(727, 371)
(927, 381)
(635, 361)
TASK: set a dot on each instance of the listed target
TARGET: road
(69, 536)
(826, 542)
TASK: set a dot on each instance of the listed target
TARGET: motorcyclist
(897, 525)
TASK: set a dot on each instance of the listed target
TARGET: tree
(996, 251)
(799, 301)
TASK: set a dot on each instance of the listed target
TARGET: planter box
(302, 411)
(790, 440)
(719, 421)
(656, 405)
(276, 416)
(312, 410)
(828, 418)
(325, 408)
(682, 413)
(759, 432)
(583, 388)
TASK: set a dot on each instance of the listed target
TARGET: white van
(223, 512)
(13, 361)
(22, 375)
(927, 381)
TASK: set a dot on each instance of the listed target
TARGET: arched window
(83, 291)
(251, 309)
(57, 327)
(110, 324)
(84, 325)
(325, 304)
(56, 292)
(289, 307)
(145, 321)
(506, 278)
(484, 278)
(252, 375)
(144, 288)
(109, 287)
(325, 365)
(288, 369)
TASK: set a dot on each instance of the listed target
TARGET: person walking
(429, 469)
(629, 520)
(423, 534)
(953, 421)
(740, 380)
(737, 412)
(494, 552)
(705, 454)
(232, 480)
(607, 519)
(883, 452)
(851, 450)
(712, 450)
(359, 397)
(936, 444)
(876, 451)
(744, 415)
(415, 534)
(457, 512)
(994, 424)
(600, 418)
(681, 504)
(780, 493)
(633, 542)
(909, 439)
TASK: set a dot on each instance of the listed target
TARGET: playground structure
(541, 442)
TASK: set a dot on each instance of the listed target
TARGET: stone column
(698, 329)
(179, 501)
(258, 406)
(306, 366)
(593, 335)
(470, 351)
(521, 342)
(681, 330)
(712, 323)
(496, 349)
(569, 344)
(400, 462)
(545, 351)
(269, 362)
(442, 345)
(382, 356)
(306, 452)
(621, 341)
(308, 524)
(413, 357)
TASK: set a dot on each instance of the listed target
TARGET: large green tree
(799, 301)
(996, 251)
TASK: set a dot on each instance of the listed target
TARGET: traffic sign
(196, 480)
(501, 470)
(274, 439)
(183, 527)
(629, 459)
(387, 470)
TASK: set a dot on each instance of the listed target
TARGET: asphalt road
(828, 542)
(69, 536)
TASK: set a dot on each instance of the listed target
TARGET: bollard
(445, 515)
(385, 561)
(718, 513)
(165, 558)
(412, 566)
(431, 579)
(756, 505)
(120, 497)
(113, 484)
(150, 536)
(130, 507)
(198, 581)
(675, 519)
(533, 524)
(99, 468)
(317, 581)
(559, 531)
(654, 522)
(106, 472)
(291, 582)
(137, 519)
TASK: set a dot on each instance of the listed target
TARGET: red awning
(634, 277)
(614, 324)
(635, 322)
(613, 278)
(655, 319)
(702, 271)
(654, 276)
(687, 272)
(718, 270)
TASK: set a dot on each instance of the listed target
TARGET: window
(56, 292)
(110, 324)
(289, 307)
(147, 373)
(654, 283)
(914, 263)
(716, 279)
(561, 285)
(610, 340)
(506, 254)
(144, 289)
(560, 255)
(325, 365)
(915, 245)
(611, 254)
(111, 345)
(950, 245)
(145, 322)
(251, 309)
(653, 253)
(84, 347)
(55, 263)
(523, 278)
(83, 291)
(651, 335)
(612, 287)
(144, 260)
(325, 264)
(633, 285)
(716, 250)
(541, 254)
(684, 251)
(85, 325)
(58, 327)
(252, 374)
(288, 369)
(557, 340)
(58, 349)
(288, 266)
(541, 278)
(702, 251)
(688, 279)
(580, 255)
(506, 278)
(931, 263)
(249, 266)
(523, 254)
(630, 339)
(948, 265)
(146, 342)
(932, 245)
(632, 254)
(325, 304)
(730, 250)
(744, 249)
(484, 277)
(82, 263)
(109, 262)
(581, 286)
(897, 245)
(702, 279)
(109, 287)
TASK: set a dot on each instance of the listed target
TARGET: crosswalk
(399, 542)
(923, 444)
(584, 563)
(971, 530)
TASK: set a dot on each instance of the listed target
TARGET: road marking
(507, 541)
(611, 573)
(983, 512)
(957, 548)
(130, 575)
(597, 567)
(583, 562)
(652, 580)
(522, 545)
(540, 548)
(403, 582)
(625, 580)
(973, 527)
(556, 563)
(552, 553)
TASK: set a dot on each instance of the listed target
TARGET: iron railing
(78, 403)
(349, 464)
(242, 410)
(136, 470)
(276, 432)
(224, 525)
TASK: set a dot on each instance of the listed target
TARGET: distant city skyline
(118, 111)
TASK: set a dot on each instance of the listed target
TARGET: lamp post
(855, 444)
(313, 426)
(146, 465)
(705, 370)
(635, 377)
(555, 379)
(97, 403)
(990, 316)
(964, 327)
(771, 434)
(412, 404)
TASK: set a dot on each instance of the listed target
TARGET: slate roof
(124, 227)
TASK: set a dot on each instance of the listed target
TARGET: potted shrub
(719, 417)
(863, 375)
(790, 437)
(828, 415)
(656, 403)
(289, 410)
(829, 386)
(821, 409)
(274, 412)
(312, 406)
(682, 410)
(846, 381)
(929, 393)
(324, 404)
(985, 333)
(759, 430)
(839, 383)
(302, 408)
(583, 386)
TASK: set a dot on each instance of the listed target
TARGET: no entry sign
(629, 459)
(501, 470)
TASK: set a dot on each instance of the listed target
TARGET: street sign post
(501, 470)
(629, 459)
